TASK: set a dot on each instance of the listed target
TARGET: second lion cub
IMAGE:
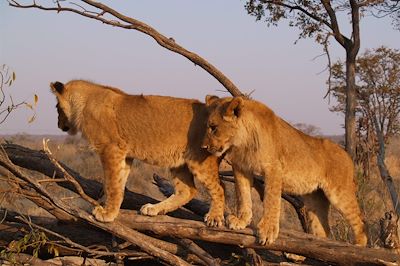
(158, 130)
(259, 142)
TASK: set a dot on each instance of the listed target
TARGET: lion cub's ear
(233, 110)
(210, 99)
(57, 87)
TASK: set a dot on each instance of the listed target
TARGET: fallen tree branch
(288, 240)
(138, 239)
(25, 259)
(38, 161)
(199, 252)
(82, 235)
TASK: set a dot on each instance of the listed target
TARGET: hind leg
(184, 192)
(116, 171)
(343, 197)
(317, 207)
(206, 172)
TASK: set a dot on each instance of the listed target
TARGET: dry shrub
(373, 196)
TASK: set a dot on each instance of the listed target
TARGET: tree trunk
(384, 172)
(351, 102)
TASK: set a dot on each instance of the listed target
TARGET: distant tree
(320, 20)
(308, 129)
(377, 105)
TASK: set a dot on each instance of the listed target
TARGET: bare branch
(67, 176)
(126, 22)
(334, 24)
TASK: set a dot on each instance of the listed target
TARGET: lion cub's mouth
(216, 151)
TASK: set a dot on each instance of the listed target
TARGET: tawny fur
(257, 141)
(158, 130)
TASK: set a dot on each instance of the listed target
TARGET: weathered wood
(142, 241)
(199, 252)
(12, 229)
(25, 259)
(38, 161)
(288, 240)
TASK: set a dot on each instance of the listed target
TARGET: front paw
(150, 210)
(214, 219)
(235, 223)
(102, 215)
(268, 230)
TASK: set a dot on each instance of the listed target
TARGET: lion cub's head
(64, 108)
(222, 124)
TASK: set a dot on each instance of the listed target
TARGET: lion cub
(259, 142)
(158, 130)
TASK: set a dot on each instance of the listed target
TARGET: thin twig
(69, 241)
(67, 176)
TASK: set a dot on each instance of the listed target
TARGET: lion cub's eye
(213, 128)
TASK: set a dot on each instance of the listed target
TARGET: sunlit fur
(158, 130)
(257, 141)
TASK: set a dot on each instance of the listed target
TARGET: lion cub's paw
(150, 210)
(268, 231)
(235, 223)
(214, 219)
(102, 215)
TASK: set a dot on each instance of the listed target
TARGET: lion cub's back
(161, 124)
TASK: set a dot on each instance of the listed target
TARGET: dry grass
(76, 153)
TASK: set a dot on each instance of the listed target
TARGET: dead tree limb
(67, 176)
(288, 240)
(138, 239)
(199, 252)
(83, 235)
(120, 20)
(25, 259)
(38, 161)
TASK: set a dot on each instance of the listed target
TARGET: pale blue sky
(42, 47)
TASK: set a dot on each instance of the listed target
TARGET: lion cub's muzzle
(63, 127)
(217, 151)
